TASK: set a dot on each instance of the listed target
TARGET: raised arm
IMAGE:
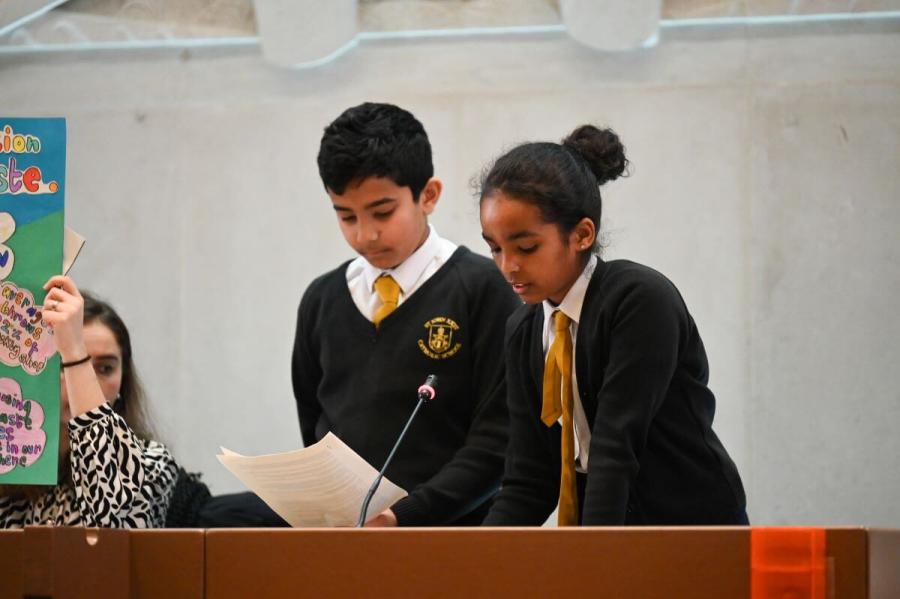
(119, 479)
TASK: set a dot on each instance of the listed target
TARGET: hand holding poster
(32, 185)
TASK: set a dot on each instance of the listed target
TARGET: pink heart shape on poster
(22, 437)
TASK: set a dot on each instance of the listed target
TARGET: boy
(412, 304)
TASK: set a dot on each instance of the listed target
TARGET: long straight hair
(132, 401)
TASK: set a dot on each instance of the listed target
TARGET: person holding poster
(111, 473)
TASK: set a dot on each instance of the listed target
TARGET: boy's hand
(64, 313)
(384, 519)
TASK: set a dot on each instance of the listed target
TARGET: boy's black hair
(375, 140)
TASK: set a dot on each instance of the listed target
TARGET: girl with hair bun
(610, 412)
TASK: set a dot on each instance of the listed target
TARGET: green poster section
(44, 388)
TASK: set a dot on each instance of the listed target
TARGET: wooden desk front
(696, 563)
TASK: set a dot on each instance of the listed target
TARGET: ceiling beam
(15, 13)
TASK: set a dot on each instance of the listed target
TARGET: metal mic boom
(426, 392)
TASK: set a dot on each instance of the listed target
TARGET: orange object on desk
(787, 562)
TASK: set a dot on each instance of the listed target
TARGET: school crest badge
(440, 343)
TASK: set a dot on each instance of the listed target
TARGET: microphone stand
(426, 393)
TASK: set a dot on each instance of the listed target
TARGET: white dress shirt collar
(572, 303)
(408, 272)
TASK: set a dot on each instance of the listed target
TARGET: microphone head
(427, 390)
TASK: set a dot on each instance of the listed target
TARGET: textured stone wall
(764, 185)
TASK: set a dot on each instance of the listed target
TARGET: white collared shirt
(571, 307)
(409, 274)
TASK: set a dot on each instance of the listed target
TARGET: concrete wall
(766, 169)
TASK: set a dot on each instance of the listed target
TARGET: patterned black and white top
(118, 480)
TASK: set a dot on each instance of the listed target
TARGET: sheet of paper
(320, 485)
(72, 244)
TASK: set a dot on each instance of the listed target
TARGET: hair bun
(601, 149)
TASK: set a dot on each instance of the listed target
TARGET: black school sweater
(360, 383)
(642, 378)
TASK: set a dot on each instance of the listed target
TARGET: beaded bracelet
(65, 365)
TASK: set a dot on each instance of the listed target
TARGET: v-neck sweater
(643, 380)
(359, 381)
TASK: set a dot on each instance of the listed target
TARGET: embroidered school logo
(440, 344)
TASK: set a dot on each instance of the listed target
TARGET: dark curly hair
(375, 140)
(563, 180)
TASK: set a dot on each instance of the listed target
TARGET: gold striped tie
(558, 401)
(389, 292)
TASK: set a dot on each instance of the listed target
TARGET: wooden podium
(64, 563)
(695, 563)
(473, 563)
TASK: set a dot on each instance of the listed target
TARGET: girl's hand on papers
(384, 519)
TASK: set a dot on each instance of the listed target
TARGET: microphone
(426, 392)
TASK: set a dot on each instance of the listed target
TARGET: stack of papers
(321, 485)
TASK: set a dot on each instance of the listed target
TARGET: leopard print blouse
(118, 480)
